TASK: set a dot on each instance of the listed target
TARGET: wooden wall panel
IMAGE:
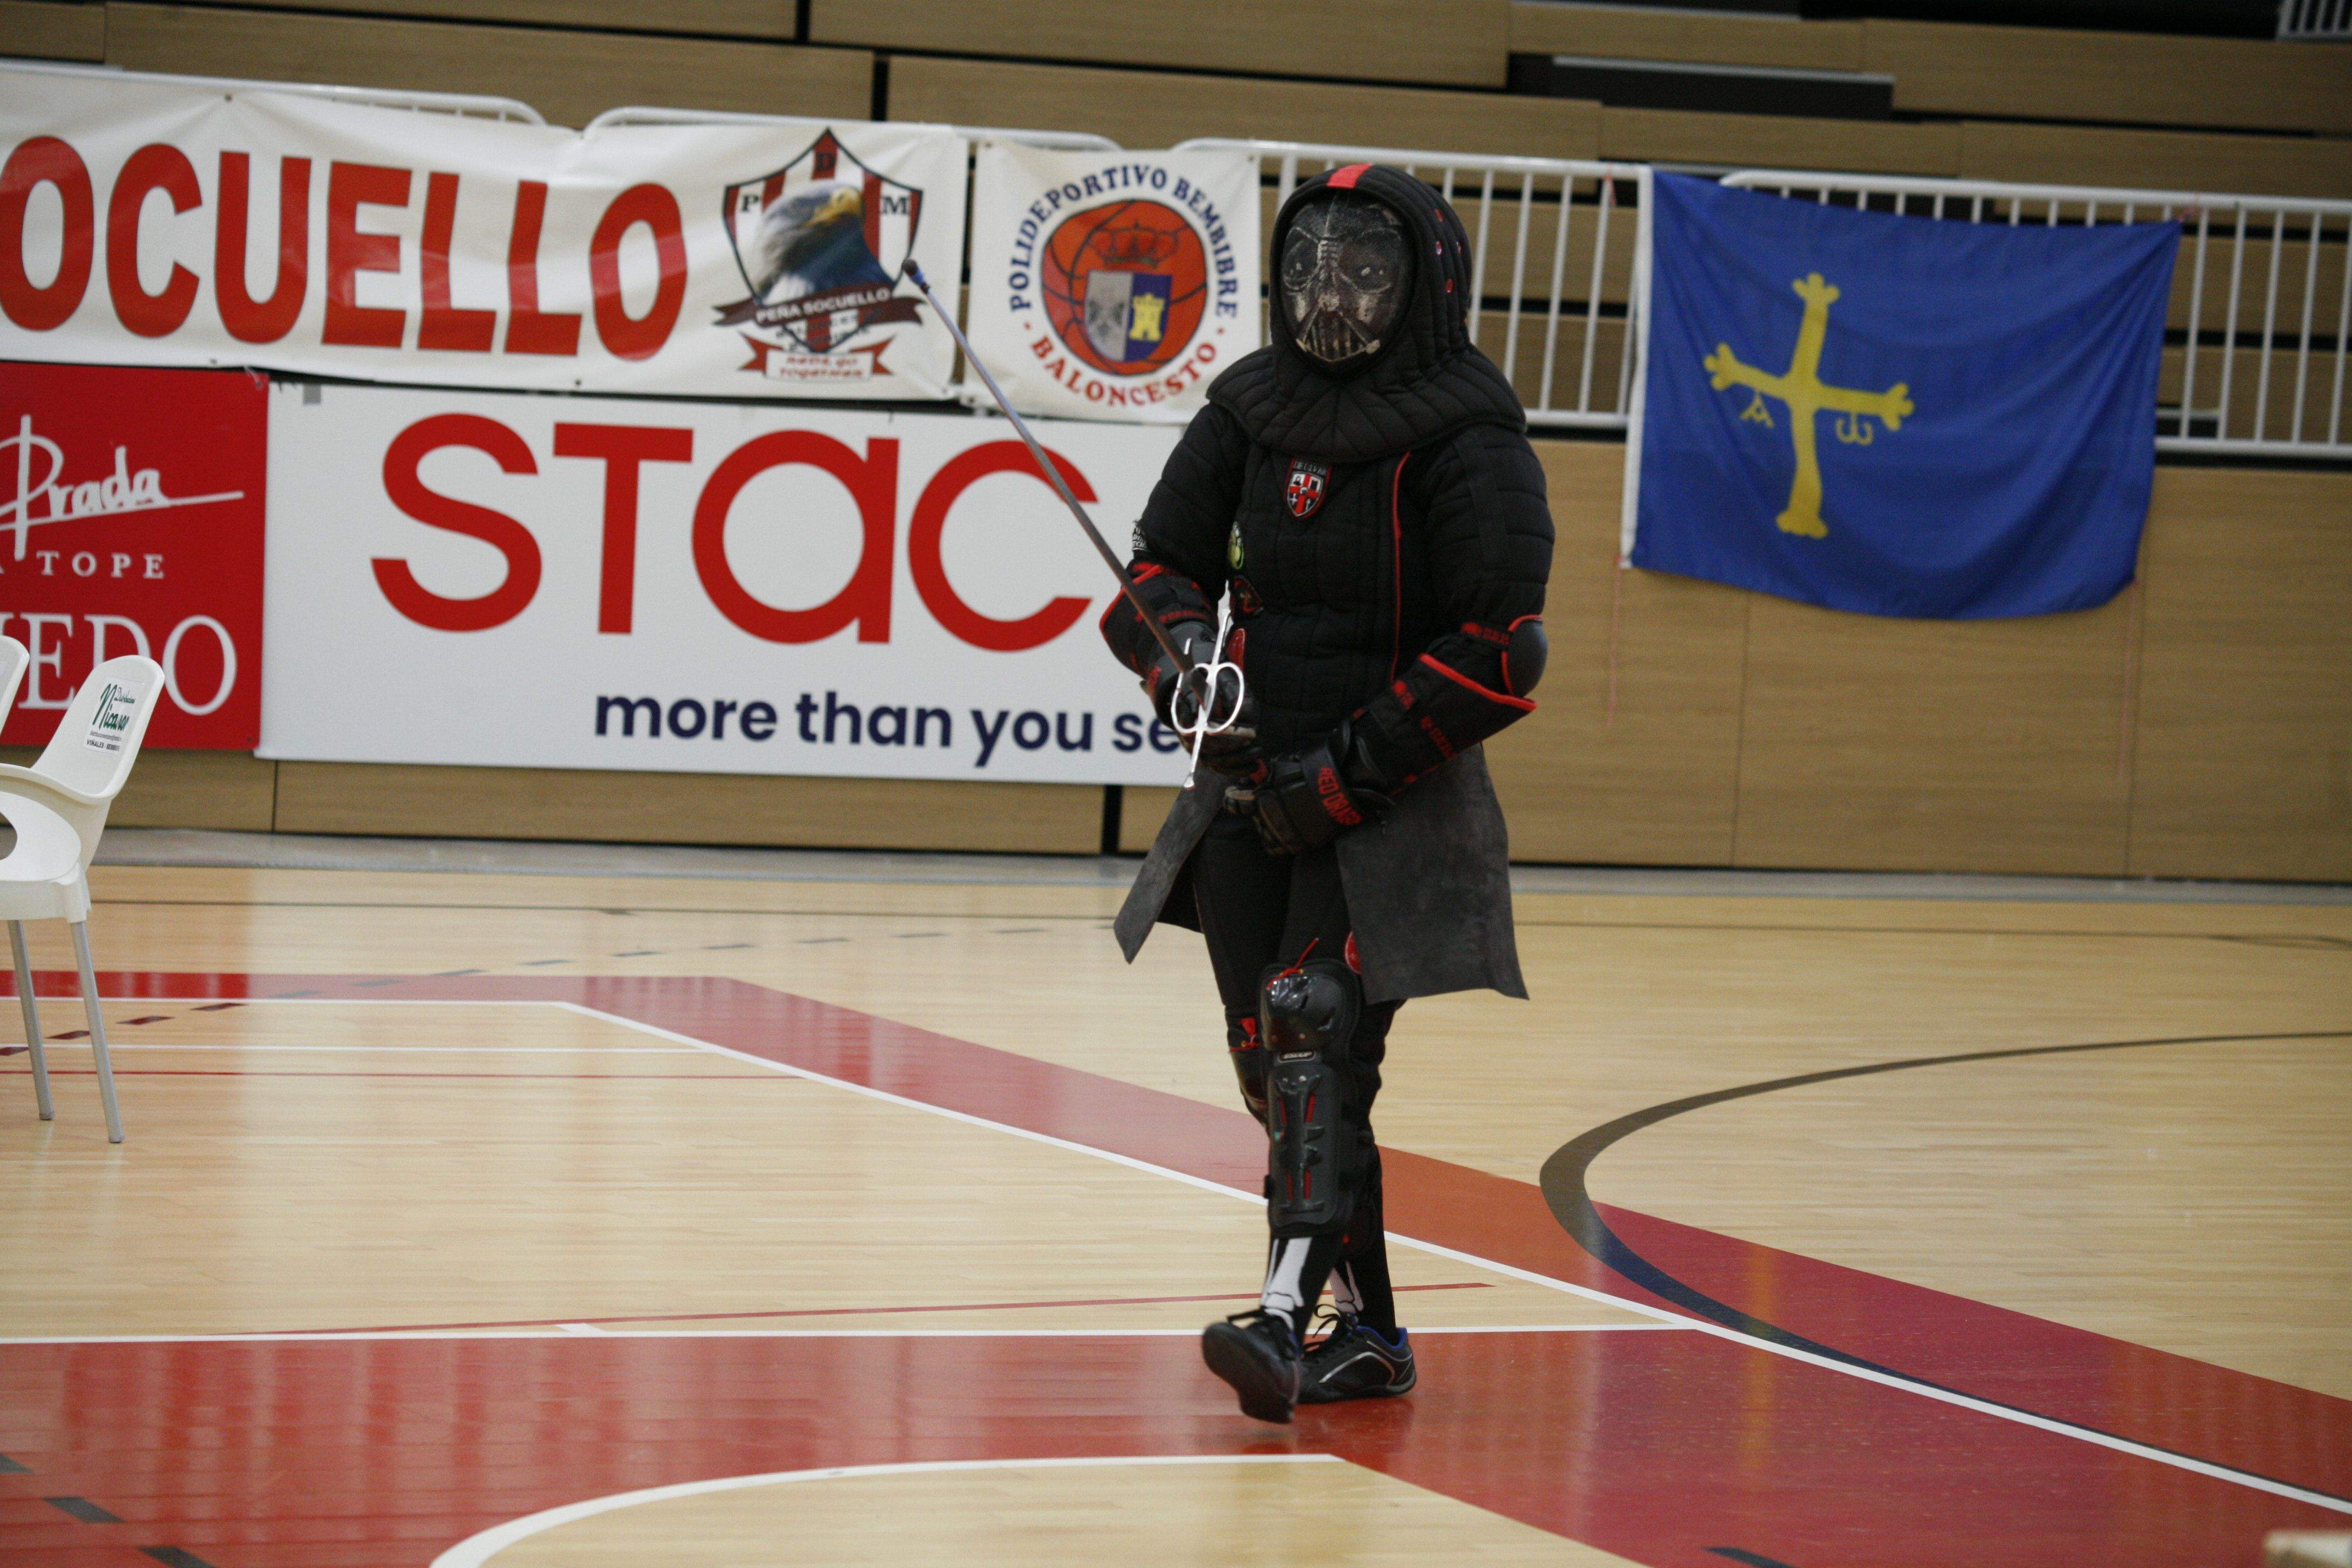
(569, 78)
(2144, 79)
(726, 18)
(1158, 109)
(1566, 380)
(1933, 745)
(1653, 782)
(687, 808)
(229, 790)
(36, 30)
(1703, 38)
(2305, 278)
(2251, 409)
(1141, 811)
(1779, 142)
(1464, 42)
(2157, 160)
(2243, 761)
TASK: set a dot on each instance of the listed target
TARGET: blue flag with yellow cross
(1893, 415)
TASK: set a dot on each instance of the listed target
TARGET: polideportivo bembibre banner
(508, 580)
(154, 222)
(1112, 285)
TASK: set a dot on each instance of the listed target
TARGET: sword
(1193, 669)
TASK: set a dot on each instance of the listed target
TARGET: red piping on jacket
(1456, 676)
(1396, 566)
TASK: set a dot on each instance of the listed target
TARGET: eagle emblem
(1307, 480)
(821, 243)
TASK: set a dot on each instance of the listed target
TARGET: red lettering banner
(131, 521)
(151, 221)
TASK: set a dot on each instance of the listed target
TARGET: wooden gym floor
(697, 1210)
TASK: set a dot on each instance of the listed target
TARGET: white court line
(476, 1550)
(1924, 1391)
(565, 1331)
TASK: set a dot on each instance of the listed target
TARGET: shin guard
(1307, 1015)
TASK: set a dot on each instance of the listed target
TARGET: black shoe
(1257, 1353)
(1354, 1361)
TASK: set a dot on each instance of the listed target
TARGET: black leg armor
(1315, 1137)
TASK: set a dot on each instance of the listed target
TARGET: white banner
(1112, 285)
(467, 578)
(154, 223)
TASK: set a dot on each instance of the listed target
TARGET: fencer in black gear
(1362, 494)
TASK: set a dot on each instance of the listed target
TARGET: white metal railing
(2314, 19)
(1590, 284)
(2282, 319)
(640, 114)
(478, 105)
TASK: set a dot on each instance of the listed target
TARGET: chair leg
(97, 1033)
(32, 1022)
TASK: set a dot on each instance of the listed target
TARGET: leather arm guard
(1174, 599)
(1469, 685)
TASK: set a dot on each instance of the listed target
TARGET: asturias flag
(1898, 416)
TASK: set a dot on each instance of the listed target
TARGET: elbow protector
(1523, 659)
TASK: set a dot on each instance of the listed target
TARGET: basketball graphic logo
(1125, 285)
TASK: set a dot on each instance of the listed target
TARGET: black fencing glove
(1306, 798)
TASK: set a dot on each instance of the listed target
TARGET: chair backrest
(98, 739)
(14, 658)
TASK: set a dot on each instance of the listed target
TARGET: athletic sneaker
(1355, 1360)
(1257, 1353)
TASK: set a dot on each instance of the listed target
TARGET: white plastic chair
(13, 659)
(59, 808)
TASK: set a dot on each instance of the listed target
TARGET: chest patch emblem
(1308, 479)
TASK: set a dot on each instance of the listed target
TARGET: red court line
(835, 1311)
(1653, 1447)
(364, 1072)
(1736, 1446)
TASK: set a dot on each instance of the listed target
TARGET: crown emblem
(1133, 246)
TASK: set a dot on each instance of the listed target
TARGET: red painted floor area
(1662, 1448)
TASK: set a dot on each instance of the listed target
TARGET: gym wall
(2200, 725)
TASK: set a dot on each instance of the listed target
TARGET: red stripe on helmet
(1345, 179)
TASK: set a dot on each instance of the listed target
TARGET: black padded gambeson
(1389, 605)
(1395, 595)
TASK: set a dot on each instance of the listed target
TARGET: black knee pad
(1307, 1015)
(1248, 1055)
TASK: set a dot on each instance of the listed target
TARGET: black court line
(1564, 1181)
(9, 1467)
(82, 1508)
(1753, 1559)
(175, 1557)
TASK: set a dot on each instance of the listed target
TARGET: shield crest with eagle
(821, 243)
